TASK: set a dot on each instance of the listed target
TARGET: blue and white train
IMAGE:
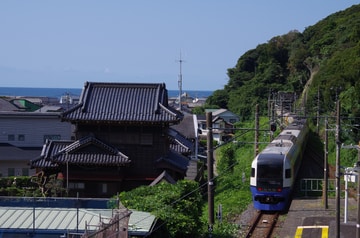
(274, 170)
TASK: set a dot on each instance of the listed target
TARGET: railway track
(262, 225)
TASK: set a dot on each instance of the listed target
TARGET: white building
(22, 135)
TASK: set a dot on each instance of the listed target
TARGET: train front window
(269, 177)
(270, 171)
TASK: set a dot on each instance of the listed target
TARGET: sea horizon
(58, 92)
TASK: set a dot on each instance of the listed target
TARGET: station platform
(308, 218)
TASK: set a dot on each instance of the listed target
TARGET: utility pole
(318, 111)
(357, 172)
(326, 146)
(256, 149)
(337, 175)
(358, 194)
(272, 119)
(210, 168)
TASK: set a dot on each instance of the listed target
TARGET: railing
(315, 186)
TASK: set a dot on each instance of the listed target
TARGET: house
(22, 135)
(222, 124)
(121, 140)
(225, 114)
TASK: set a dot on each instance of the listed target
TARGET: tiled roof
(177, 160)
(187, 126)
(179, 143)
(123, 103)
(49, 149)
(85, 151)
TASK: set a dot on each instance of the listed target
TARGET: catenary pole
(337, 175)
(210, 168)
(325, 189)
(358, 193)
(256, 149)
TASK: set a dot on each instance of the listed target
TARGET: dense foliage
(179, 207)
(324, 58)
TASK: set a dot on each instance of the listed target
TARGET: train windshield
(270, 171)
(269, 177)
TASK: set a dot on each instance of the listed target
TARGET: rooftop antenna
(180, 82)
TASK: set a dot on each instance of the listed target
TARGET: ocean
(58, 92)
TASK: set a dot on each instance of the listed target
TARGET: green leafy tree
(219, 98)
(179, 206)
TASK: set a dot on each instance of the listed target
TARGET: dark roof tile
(85, 151)
(179, 143)
(123, 102)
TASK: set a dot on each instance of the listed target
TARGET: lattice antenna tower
(180, 82)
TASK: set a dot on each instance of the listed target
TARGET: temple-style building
(122, 139)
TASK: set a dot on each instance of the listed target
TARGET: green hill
(328, 50)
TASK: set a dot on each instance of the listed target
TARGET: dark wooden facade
(122, 140)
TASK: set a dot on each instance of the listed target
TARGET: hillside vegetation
(328, 50)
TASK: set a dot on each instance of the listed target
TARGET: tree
(219, 98)
(178, 206)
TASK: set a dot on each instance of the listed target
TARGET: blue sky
(65, 43)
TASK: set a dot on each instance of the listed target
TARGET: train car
(274, 170)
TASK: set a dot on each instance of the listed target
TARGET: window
(11, 172)
(11, 137)
(104, 188)
(21, 137)
(252, 172)
(270, 171)
(76, 186)
(287, 173)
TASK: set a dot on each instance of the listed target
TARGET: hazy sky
(65, 43)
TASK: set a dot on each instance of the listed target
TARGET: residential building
(223, 122)
(22, 135)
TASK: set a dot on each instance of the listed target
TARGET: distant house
(225, 114)
(22, 135)
(122, 140)
(222, 124)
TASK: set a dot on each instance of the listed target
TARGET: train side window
(287, 173)
(252, 172)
